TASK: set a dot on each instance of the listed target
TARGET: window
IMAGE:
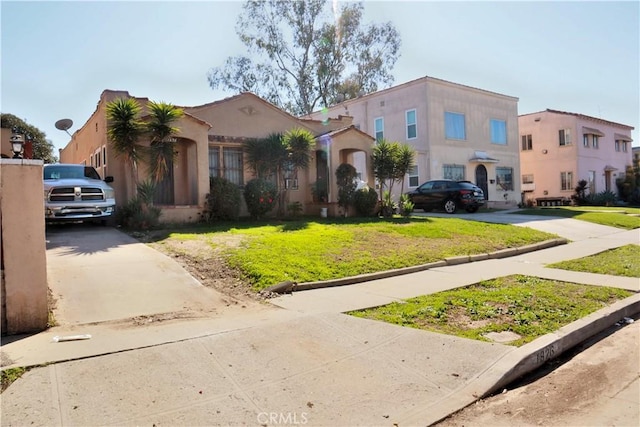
(592, 182)
(414, 178)
(379, 128)
(290, 177)
(527, 142)
(527, 179)
(96, 157)
(226, 162)
(455, 172)
(104, 155)
(91, 160)
(595, 141)
(566, 181)
(454, 126)
(412, 130)
(617, 145)
(504, 179)
(498, 131)
(565, 136)
(585, 140)
(625, 144)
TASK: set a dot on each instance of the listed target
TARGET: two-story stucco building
(458, 132)
(559, 148)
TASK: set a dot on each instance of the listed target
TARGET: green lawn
(622, 261)
(305, 251)
(528, 306)
(626, 218)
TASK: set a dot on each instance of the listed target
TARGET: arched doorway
(481, 180)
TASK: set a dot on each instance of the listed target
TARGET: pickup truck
(77, 193)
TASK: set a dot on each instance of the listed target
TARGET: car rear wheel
(472, 209)
(450, 206)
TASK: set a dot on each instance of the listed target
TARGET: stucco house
(559, 148)
(459, 132)
(210, 143)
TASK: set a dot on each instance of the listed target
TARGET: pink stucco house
(458, 132)
(559, 148)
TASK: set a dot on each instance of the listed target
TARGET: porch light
(17, 143)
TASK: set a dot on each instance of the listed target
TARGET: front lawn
(528, 306)
(627, 218)
(622, 261)
(304, 251)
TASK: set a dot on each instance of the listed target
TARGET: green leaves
(300, 55)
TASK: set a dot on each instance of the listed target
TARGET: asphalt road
(597, 385)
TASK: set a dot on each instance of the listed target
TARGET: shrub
(388, 206)
(580, 196)
(346, 176)
(365, 201)
(261, 197)
(223, 200)
(604, 198)
(138, 215)
(294, 209)
(139, 212)
(406, 205)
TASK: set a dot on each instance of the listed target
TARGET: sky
(58, 57)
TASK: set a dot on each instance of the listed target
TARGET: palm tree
(383, 159)
(405, 160)
(161, 130)
(124, 131)
(277, 153)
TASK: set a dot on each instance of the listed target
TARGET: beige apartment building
(458, 132)
(559, 148)
(210, 143)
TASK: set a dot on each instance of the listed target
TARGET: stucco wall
(430, 98)
(22, 246)
(548, 159)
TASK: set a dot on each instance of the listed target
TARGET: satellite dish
(64, 124)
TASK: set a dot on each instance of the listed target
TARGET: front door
(481, 180)
(164, 194)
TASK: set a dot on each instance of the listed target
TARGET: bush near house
(365, 201)
(261, 197)
(223, 200)
(139, 213)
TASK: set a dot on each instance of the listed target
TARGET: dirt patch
(204, 258)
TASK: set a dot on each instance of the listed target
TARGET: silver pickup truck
(77, 193)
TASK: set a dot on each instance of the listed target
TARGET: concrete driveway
(99, 274)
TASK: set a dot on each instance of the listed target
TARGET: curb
(286, 287)
(524, 360)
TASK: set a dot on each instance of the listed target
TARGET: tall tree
(124, 129)
(161, 131)
(383, 160)
(300, 56)
(42, 147)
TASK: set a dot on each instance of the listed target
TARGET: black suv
(448, 195)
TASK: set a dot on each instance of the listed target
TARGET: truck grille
(72, 194)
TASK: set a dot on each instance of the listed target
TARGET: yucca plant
(125, 130)
(161, 132)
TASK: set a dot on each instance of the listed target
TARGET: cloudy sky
(57, 57)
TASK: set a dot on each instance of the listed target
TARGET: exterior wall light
(17, 143)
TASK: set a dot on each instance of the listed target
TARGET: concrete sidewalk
(303, 362)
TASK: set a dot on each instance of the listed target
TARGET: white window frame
(527, 178)
(501, 185)
(564, 136)
(566, 181)
(585, 140)
(375, 128)
(595, 141)
(414, 124)
(414, 174)
(617, 144)
(455, 167)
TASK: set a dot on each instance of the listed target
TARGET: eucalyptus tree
(301, 55)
